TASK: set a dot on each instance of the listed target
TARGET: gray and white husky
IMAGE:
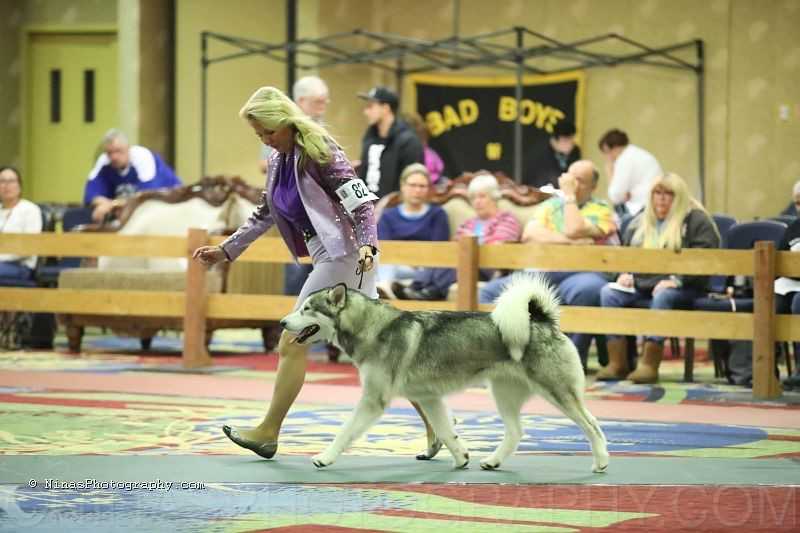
(424, 355)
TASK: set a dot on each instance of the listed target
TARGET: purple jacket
(340, 232)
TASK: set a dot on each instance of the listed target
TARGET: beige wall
(753, 68)
(763, 150)
(156, 64)
(232, 147)
(11, 20)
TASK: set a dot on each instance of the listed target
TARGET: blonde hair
(484, 182)
(274, 110)
(414, 168)
(647, 235)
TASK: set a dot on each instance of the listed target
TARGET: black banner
(471, 120)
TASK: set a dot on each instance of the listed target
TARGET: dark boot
(617, 367)
(647, 365)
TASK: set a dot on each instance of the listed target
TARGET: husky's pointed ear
(337, 295)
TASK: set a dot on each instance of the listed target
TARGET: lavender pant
(328, 272)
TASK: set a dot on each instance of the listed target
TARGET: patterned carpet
(113, 401)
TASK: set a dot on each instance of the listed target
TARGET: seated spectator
(554, 158)
(17, 215)
(792, 209)
(787, 295)
(576, 217)
(415, 219)
(631, 171)
(490, 226)
(672, 219)
(122, 170)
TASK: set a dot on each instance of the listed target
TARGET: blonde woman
(672, 219)
(321, 209)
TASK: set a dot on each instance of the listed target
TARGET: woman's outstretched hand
(209, 255)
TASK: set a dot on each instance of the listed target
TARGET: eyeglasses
(8, 181)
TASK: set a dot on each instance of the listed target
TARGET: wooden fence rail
(763, 263)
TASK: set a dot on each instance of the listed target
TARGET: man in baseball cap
(381, 95)
(389, 144)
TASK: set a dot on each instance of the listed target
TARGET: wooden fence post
(765, 383)
(468, 253)
(195, 353)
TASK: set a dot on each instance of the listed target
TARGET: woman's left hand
(366, 258)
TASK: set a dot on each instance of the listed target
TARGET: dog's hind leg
(570, 402)
(509, 396)
(439, 417)
(367, 412)
(434, 442)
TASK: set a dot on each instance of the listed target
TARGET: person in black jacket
(389, 144)
(673, 220)
(551, 160)
(787, 296)
(792, 209)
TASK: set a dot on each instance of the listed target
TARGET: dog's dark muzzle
(306, 333)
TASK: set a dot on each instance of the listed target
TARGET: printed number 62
(358, 191)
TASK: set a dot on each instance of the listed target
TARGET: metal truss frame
(517, 49)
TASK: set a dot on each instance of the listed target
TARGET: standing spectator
(17, 215)
(787, 298)
(121, 170)
(554, 158)
(672, 219)
(576, 217)
(631, 171)
(389, 144)
(490, 226)
(415, 219)
(433, 162)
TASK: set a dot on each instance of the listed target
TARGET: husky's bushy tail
(527, 298)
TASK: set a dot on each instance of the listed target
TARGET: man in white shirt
(17, 215)
(631, 171)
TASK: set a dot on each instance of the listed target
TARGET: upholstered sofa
(217, 204)
(452, 196)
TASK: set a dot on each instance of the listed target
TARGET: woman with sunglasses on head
(671, 219)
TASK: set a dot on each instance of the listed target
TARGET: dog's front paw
(321, 460)
(490, 464)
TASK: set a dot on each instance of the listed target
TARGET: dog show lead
(321, 210)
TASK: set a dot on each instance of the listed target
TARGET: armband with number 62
(354, 193)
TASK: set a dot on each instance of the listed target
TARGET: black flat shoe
(264, 449)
